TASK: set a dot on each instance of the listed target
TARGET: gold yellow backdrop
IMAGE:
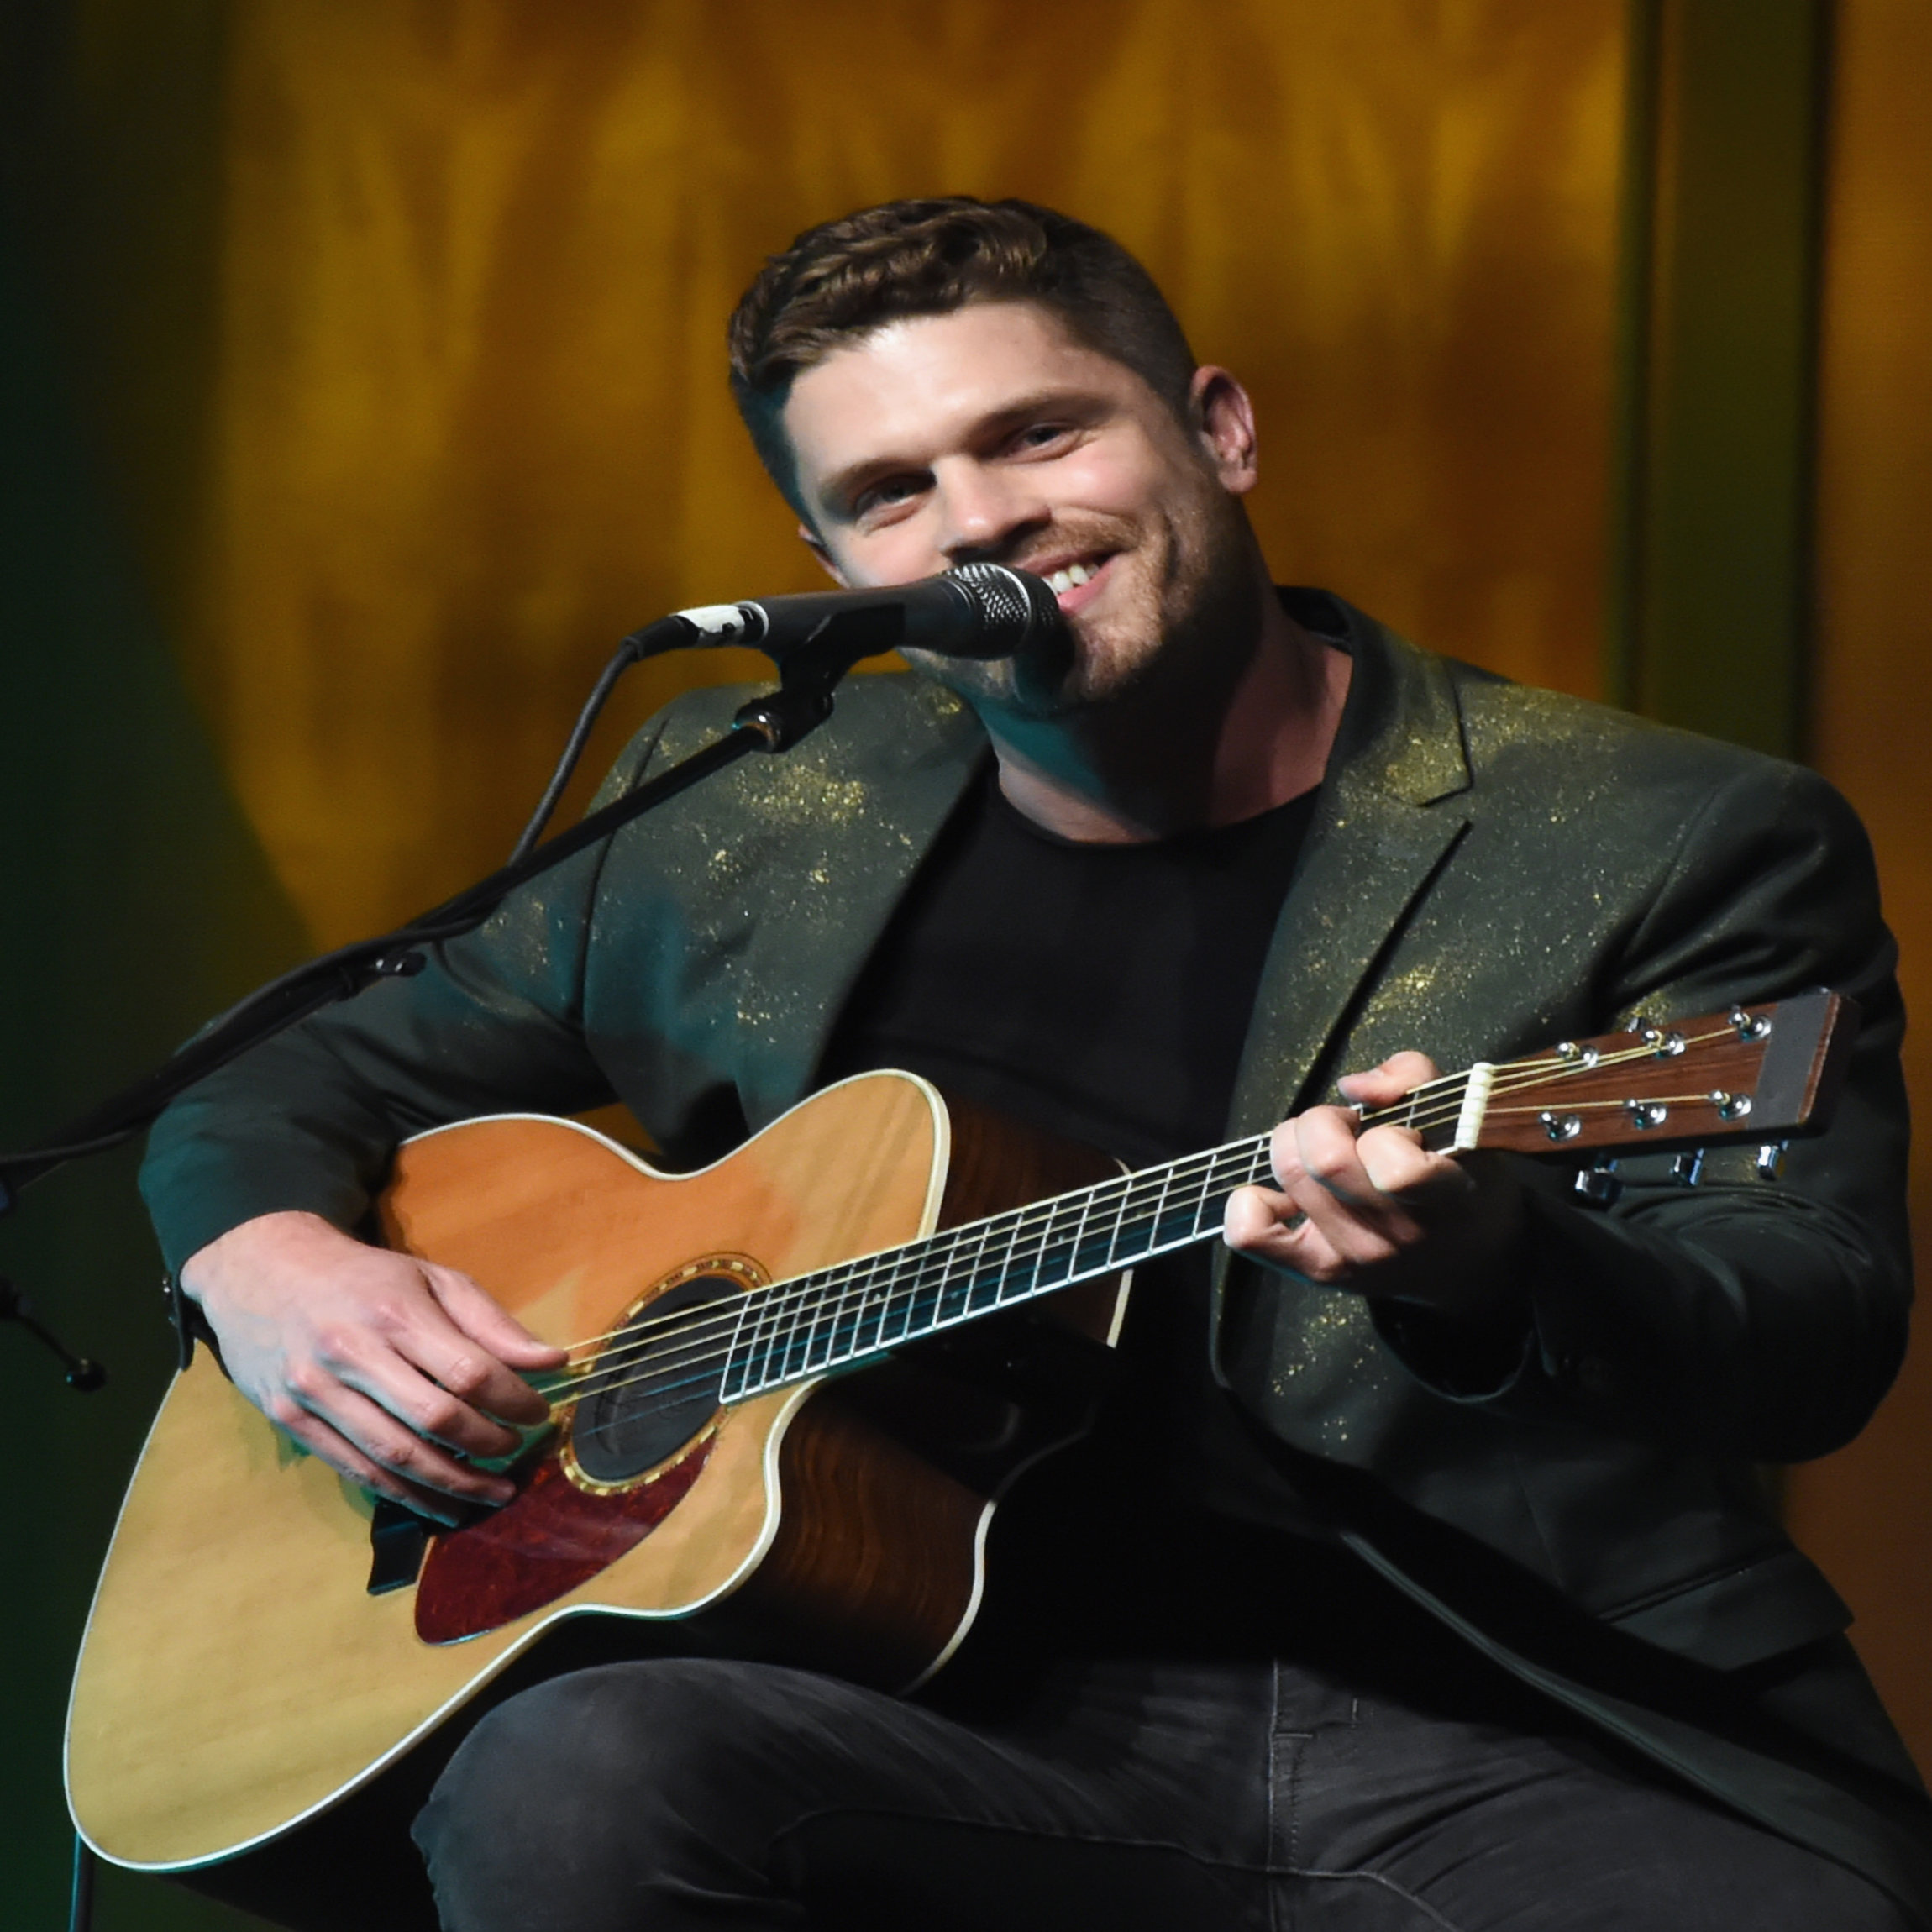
(469, 415)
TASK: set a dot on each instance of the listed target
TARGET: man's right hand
(378, 1362)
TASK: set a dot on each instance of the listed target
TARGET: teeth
(1064, 580)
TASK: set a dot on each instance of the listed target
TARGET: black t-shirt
(1101, 992)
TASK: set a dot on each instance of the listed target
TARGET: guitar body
(238, 1677)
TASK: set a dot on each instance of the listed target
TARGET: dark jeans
(1189, 1797)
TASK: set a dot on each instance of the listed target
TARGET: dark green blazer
(1491, 868)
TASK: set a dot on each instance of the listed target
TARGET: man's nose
(985, 512)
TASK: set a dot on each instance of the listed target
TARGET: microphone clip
(811, 671)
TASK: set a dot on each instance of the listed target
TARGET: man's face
(990, 433)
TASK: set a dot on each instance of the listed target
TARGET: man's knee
(644, 1723)
(603, 1782)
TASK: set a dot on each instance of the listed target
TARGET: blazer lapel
(849, 849)
(1382, 832)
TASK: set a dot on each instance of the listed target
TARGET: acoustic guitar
(799, 1381)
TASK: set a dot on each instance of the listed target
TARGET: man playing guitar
(1415, 1573)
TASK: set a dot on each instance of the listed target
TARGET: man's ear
(1224, 420)
(810, 538)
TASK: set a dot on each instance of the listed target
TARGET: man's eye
(887, 495)
(1042, 435)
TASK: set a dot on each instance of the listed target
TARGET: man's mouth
(1072, 583)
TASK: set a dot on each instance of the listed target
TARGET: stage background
(361, 380)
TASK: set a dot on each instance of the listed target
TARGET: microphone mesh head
(1016, 609)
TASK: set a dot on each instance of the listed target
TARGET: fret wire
(978, 1263)
(1012, 1243)
(806, 1310)
(1201, 1206)
(810, 1308)
(755, 1365)
(949, 1267)
(844, 1316)
(1119, 1226)
(885, 1279)
(765, 1338)
(1033, 1266)
(840, 1314)
(848, 1316)
(851, 1313)
(896, 1291)
(732, 1382)
(822, 1330)
(1072, 1263)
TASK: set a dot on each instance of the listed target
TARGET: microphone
(973, 610)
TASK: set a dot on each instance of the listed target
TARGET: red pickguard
(550, 1539)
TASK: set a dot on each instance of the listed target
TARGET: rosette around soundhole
(655, 1386)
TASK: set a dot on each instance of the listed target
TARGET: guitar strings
(898, 1293)
(669, 1342)
(689, 1372)
(661, 1342)
(937, 1265)
(1034, 1216)
(673, 1371)
(1447, 1107)
(1530, 1074)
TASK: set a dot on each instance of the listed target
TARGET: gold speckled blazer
(1490, 869)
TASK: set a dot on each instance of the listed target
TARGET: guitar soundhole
(657, 1383)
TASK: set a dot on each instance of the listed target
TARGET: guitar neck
(1750, 1073)
(858, 1311)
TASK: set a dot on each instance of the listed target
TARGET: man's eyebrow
(844, 486)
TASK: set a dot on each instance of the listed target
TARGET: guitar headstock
(1751, 1072)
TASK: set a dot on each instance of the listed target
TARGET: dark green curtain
(135, 903)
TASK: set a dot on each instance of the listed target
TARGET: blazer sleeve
(1758, 1317)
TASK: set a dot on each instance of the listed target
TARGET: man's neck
(1126, 774)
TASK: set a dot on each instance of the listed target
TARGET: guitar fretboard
(853, 1312)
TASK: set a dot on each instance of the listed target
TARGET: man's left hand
(1371, 1209)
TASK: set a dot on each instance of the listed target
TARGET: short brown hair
(841, 279)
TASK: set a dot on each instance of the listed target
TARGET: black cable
(667, 634)
(573, 750)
